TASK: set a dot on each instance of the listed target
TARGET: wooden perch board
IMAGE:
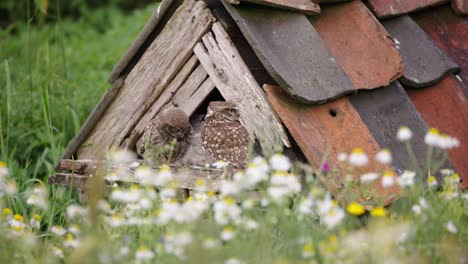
(235, 82)
(306, 7)
(150, 77)
(78, 172)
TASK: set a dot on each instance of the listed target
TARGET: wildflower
(143, 254)
(449, 193)
(58, 230)
(455, 178)
(210, 243)
(256, 172)
(423, 203)
(330, 213)
(233, 261)
(220, 164)
(355, 208)
(388, 179)
(124, 251)
(164, 176)
(74, 211)
(358, 158)
(227, 233)
(10, 188)
(3, 169)
(228, 188)
(450, 226)
(104, 206)
(74, 229)
(115, 221)
(369, 177)
(250, 224)
(378, 212)
(226, 210)
(446, 172)
(416, 209)
(57, 252)
(447, 142)
(342, 157)
(38, 198)
(122, 156)
(465, 196)
(432, 137)
(431, 181)
(404, 134)
(406, 179)
(35, 221)
(70, 241)
(325, 167)
(305, 207)
(384, 156)
(17, 222)
(279, 162)
(144, 174)
(307, 251)
(132, 195)
(7, 213)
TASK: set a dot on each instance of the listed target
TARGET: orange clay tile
(327, 129)
(360, 44)
(444, 106)
(307, 7)
(460, 6)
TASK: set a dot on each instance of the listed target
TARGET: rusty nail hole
(332, 112)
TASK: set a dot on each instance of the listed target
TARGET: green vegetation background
(53, 71)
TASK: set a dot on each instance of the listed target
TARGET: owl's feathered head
(222, 111)
(175, 122)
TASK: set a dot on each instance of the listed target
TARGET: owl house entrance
(187, 55)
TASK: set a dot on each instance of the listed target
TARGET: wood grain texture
(297, 59)
(319, 132)
(384, 111)
(360, 44)
(444, 106)
(164, 99)
(425, 63)
(92, 120)
(150, 77)
(389, 8)
(450, 33)
(234, 81)
(306, 7)
(460, 7)
(134, 48)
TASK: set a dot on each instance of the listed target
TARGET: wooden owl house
(317, 77)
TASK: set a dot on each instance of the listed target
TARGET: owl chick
(223, 136)
(172, 126)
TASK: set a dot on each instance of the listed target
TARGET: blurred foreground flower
(355, 209)
(358, 158)
(404, 134)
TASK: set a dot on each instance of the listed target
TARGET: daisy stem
(430, 152)
(413, 161)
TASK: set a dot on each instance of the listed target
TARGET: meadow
(51, 77)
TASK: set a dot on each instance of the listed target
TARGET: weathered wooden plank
(164, 99)
(384, 111)
(360, 44)
(150, 77)
(306, 7)
(297, 59)
(134, 48)
(389, 8)
(326, 130)
(425, 63)
(196, 79)
(444, 106)
(190, 103)
(233, 79)
(93, 118)
(450, 33)
(184, 177)
(460, 7)
(330, 1)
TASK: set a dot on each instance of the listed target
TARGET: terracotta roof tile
(297, 59)
(384, 111)
(444, 106)
(425, 63)
(326, 130)
(360, 44)
(460, 6)
(450, 33)
(389, 8)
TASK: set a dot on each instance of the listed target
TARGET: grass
(52, 76)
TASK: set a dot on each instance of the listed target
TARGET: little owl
(171, 127)
(223, 136)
